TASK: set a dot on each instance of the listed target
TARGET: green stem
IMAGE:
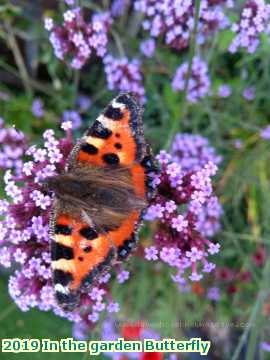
(253, 317)
(14, 47)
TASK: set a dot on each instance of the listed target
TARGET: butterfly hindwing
(79, 256)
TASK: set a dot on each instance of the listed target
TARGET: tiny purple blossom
(213, 293)
(151, 253)
(122, 276)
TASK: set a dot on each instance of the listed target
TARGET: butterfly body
(99, 200)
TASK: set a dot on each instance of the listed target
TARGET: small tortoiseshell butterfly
(100, 199)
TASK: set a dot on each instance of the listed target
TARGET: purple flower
(122, 276)
(113, 307)
(118, 7)
(73, 117)
(188, 213)
(249, 93)
(148, 47)
(265, 346)
(213, 293)
(37, 108)
(70, 2)
(151, 253)
(173, 20)
(193, 152)
(224, 91)
(253, 22)
(124, 75)
(265, 133)
(12, 147)
(198, 83)
(83, 103)
(76, 39)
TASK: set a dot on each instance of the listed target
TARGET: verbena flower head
(13, 143)
(224, 91)
(198, 83)
(24, 234)
(37, 108)
(187, 211)
(249, 93)
(124, 75)
(265, 133)
(193, 152)
(254, 20)
(174, 20)
(76, 39)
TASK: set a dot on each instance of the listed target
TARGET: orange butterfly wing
(115, 139)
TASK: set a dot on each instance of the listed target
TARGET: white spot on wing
(62, 289)
(117, 105)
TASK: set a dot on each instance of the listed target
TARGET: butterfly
(100, 199)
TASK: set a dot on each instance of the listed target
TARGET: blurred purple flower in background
(265, 133)
(118, 7)
(148, 47)
(76, 39)
(254, 21)
(249, 93)
(193, 152)
(12, 146)
(124, 75)
(224, 91)
(174, 19)
(198, 83)
(73, 117)
(37, 108)
(213, 293)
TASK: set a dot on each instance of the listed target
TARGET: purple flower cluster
(186, 209)
(24, 234)
(124, 75)
(193, 152)
(254, 20)
(76, 39)
(12, 147)
(198, 82)
(174, 19)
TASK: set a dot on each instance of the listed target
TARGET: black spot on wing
(89, 149)
(149, 164)
(60, 251)
(125, 249)
(111, 159)
(118, 146)
(62, 229)
(99, 131)
(62, 277)
(88, 233)
(113, 113)
(87, 249)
